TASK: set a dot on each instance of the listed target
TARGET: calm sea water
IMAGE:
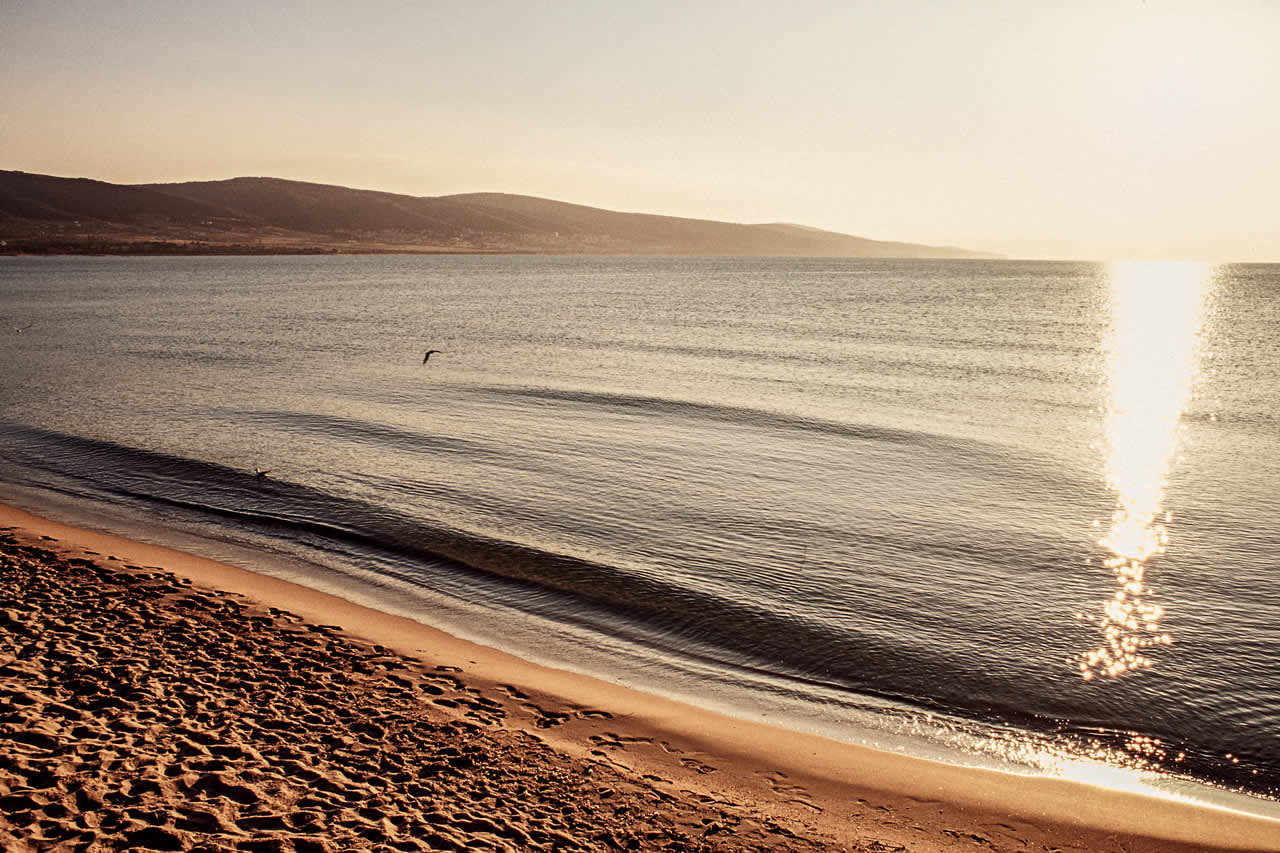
(1027, 511)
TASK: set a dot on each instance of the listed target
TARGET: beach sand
(154, 700)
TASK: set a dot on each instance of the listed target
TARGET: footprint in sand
(792, 793)
(512, 691)
(614, 740)
(545, 719)
(694, 764)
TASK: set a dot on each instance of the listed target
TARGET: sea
(1010, 514)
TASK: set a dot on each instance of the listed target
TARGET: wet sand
(155, 700)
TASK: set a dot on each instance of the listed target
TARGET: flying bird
(428, 355)
(261, 472)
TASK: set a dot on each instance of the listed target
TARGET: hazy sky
(1065, 129)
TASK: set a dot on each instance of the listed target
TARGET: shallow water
(1019, 508)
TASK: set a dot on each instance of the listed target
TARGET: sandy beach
(156, 700)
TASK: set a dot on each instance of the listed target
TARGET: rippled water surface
(1027, 509)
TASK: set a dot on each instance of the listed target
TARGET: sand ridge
(140, 708)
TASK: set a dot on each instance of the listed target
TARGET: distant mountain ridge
(43, 213)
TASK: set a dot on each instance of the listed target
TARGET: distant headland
(43, 214)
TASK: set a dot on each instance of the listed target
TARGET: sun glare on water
(1154, 353)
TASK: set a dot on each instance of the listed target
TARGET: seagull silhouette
(428, 355)
(260, 472)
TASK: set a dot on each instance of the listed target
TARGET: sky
(1092, 130)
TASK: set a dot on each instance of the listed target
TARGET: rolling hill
(47, 214)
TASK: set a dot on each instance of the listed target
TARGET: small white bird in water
(261, 472)
(428, 355)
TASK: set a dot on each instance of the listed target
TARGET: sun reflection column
(1154, 353)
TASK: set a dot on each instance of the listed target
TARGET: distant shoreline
(200, 249)
(196, 250)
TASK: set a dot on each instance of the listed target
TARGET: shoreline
(811, 786)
